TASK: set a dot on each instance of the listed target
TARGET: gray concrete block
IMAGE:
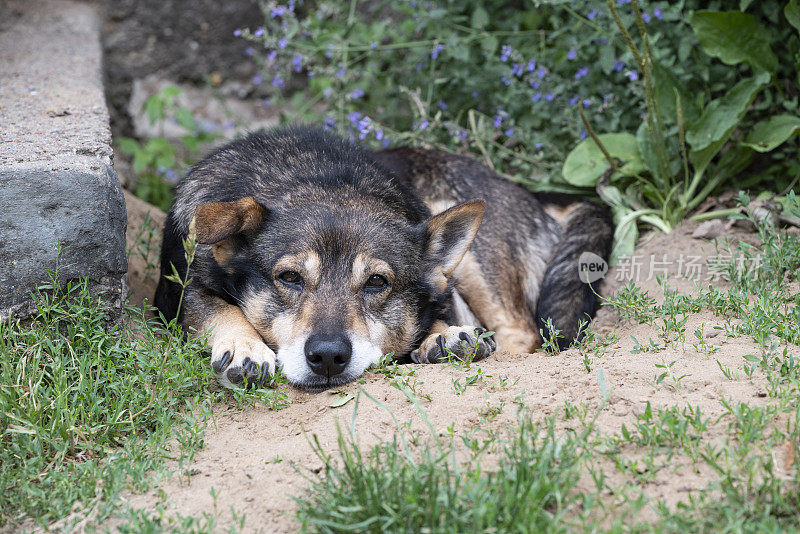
(57, 185)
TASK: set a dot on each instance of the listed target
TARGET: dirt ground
(254, 459)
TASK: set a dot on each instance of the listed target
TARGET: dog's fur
(320, 257)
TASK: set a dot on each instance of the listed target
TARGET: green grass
(543, 480)
(392, 488)
(88, 408)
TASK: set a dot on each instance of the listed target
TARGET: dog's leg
(465, 343)
(239, 355)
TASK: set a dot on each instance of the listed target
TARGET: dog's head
(332, 284)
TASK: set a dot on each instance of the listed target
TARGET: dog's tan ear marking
(450, 234)
(216, 221)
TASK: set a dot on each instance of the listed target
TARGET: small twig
(597, 140)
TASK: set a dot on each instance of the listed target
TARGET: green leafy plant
(159, 162)
(685, 148)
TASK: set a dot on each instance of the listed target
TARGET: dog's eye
(376, 282)
(291, 279)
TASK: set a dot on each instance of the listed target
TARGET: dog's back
(523, 266)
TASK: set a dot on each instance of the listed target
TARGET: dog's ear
(222, 224)
(449, 235)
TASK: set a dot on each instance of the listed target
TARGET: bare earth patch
(254, 460)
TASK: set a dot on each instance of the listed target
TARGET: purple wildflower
(550, 96)
(633, 76)
(249, 51)
(645, 17)
(436, 49)
(364, 127)
(516, 69)
(587, 102)
(657, 13)
(282, 43)
(441, 104)
(373, 46)
(330, 123)
(583, 134)
(541, 72)
(257, 79)
(583, 71)
(277, 81)
(536, 96)
(618, 66)
(357, 93)
(297, 62)
(378, 134)
(273, 54)
(509, 132)
(354, 117)
(573, 100)
(572, 54)
(277, 11)
(340, 73)
(531, 65)
(592, 14)
(505, 80)
(237, 33)
(423, 124)
(505, 53)
(259, 32)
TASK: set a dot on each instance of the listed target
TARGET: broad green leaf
(185, 119)
(154, 108)
(625, 229)
(128, 145)
(665, 85)
(171, 92)
(480, 18)
(489, 45)
(586, 163)
(141, 160)
(707, 135)
(608, 54)
(769, 134)
(646, 149)
(342, 400)
(734, 37)
(792, 12)
(744, 4)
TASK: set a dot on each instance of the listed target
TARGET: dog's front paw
(241, 360)
(465, 343)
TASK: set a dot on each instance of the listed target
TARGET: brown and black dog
(320, 257)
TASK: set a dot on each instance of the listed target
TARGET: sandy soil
(254, 459)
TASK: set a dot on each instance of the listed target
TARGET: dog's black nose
(328, 355)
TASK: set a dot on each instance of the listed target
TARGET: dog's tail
(568, 295)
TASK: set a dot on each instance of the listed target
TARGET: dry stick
(597, 140)
(654, 126)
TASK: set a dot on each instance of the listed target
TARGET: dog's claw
(464, 342)
(220, 365)
(442, 349)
